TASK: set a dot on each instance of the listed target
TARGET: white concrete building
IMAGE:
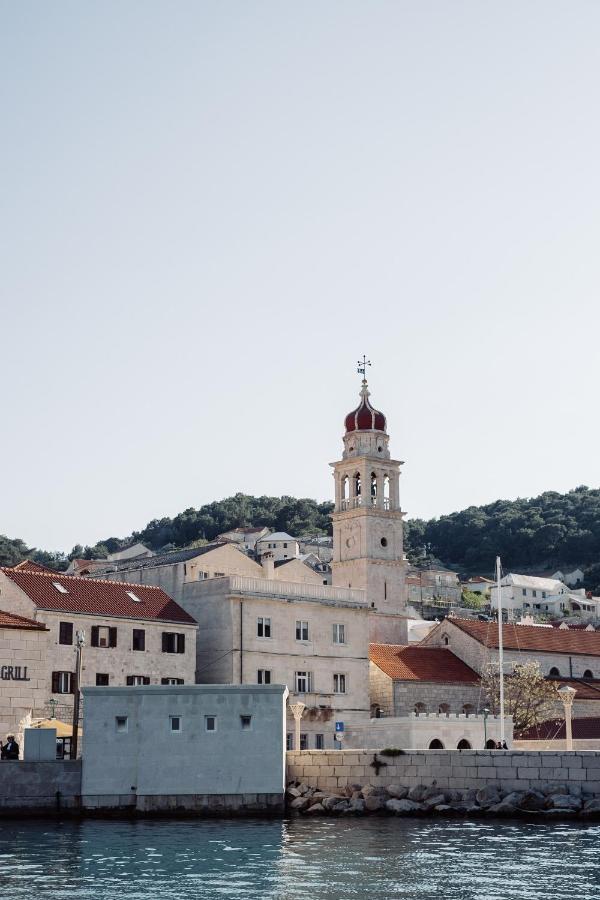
(216, 748)
(525, 594)
(134, 634)
(279, 544)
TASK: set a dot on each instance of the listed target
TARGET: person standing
(10, 750)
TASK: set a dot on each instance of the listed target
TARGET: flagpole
(500, 647)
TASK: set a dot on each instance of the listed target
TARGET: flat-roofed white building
(525, 593)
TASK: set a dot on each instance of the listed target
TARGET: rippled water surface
(376, 858)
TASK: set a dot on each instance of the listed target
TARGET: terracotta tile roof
(10, 620)
(583, 729)
(586, 690)
(531, 637)
(28, 566)
(97, 598)
(417, 663)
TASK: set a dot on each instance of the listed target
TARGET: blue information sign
(339, 726)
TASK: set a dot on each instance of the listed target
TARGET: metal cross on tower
(362, 366)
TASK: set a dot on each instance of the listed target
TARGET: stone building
(571, 656)
(24, 687)
(134, 634)
(414, 679)
(368, 545)
(311, 637)
(279, 545)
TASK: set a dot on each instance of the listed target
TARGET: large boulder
(503, 809)
(554, 789)
(564, 801)
(397, 792)
(357, 807)
(433, 791)
(315, 809)
(300, 803)
(514, 798)
(368, 789)
(375, 802)
(403, 807)
(532, 801)
(431, 802)
(417, 793)
(303, 788)
(488, 795)
(342, 806)
(293, 792)
(330, 803)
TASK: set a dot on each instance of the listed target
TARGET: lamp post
(567, 695)
(485, 713)
(297, 711)
(79, 642)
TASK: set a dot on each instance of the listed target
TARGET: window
(60, 587)
(175, 723)
(172, 642)
(101, 679)
(285, 545)
(301, 631)
(136, 680)
(133, 597)
(543, 595)
(436, 744)
(420, 708)
(588, 673)
(534, 593)
(554, 673)
(319, 741)
(210, 723)
(202, 576)
(65, 633)
(446, 640)
(339, 634)
(246, 722)
(62, 682)
(138, 640)
(384, 542)
(103, 636)
(339, 683)
(219, 574)
(289, 741)
(171, 681)
(264, 676)
(524, 592)
(263, 627)
(303, 681)
(304, 742)
(121, 723)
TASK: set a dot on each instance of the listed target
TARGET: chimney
(267, 562)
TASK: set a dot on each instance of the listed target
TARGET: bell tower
(367, 520)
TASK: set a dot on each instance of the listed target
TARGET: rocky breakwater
(553, 801)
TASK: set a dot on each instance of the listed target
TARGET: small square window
(175, 722)
(246, 722)
(121, 723)
(210, 723)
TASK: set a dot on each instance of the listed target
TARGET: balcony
(293, 590)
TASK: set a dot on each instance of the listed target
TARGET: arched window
(463, 745)
(386, 491)
(468, 709)
(345, 489)
(420, 708)
(588, 673)
(436, 744)
(375, 711)
(490, 744)
(444, 708)
(357, 488)
(554, 673)
(446, 640)
(373, 489)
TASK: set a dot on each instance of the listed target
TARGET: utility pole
(79, 642)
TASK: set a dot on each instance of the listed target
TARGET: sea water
(377, 858)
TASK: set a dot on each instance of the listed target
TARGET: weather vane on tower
(362, 367)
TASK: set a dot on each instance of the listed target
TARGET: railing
(246, 584)
(355, 502)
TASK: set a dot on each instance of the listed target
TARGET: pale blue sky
(209, 210)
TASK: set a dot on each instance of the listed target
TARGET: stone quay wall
(33, 787)
(333, 770)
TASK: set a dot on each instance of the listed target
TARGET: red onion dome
(365, 417)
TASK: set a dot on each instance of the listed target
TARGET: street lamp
(567, 695)
(485, 713)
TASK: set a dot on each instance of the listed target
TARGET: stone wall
(453, 769)
(28, 787)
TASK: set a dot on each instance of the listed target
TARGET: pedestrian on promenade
(10, 750)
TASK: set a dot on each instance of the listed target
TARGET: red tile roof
(583, 729)
(586, 690)
(29, 566)
(10, 620)
(531, 637)
(418, 663)
(97, 598)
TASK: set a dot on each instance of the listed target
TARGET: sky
(210, 210)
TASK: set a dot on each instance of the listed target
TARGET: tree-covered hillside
(550, 531)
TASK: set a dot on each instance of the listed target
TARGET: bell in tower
(367, 520)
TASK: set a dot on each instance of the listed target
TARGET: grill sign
(13, 673)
